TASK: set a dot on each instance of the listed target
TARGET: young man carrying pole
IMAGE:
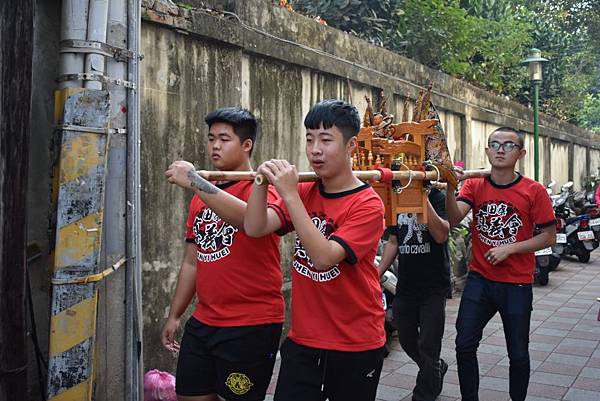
(334, 349)
(229, 345)
(506, 208)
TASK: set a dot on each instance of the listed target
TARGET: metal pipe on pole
(134, 356)
(117, 36)
(112, 315)
(74, 16)
(96, 32)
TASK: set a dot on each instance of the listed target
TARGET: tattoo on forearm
(201, 183)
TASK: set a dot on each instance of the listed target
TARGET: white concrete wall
(545, 175)
(559, 162)
(185, 76)
(579, 166)
(528, 165)
(477, 142)
(594, 162)
(529, 160)
(452, 124)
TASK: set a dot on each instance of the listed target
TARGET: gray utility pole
(95, 336)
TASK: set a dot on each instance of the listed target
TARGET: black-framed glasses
(506, 146)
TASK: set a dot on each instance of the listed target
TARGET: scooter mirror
(551, 184)
(566, 185)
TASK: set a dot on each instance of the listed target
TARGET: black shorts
(312, 374)
(234, 362)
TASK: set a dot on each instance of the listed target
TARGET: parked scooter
(388, 282)
(595, 221)
(559, 201)
(581, 240)
(552, 255)
(583, 202)
(388, 286)
(542, 266)
(558, 249)
(546, 257)
(593, 210)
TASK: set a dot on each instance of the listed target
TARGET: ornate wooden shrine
(396, 147)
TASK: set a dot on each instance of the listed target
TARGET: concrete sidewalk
(564, 347)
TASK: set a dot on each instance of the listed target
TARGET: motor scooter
(595, 221)
(581, 240)
(558, 249)
(388, 283)
(554, 252)
(593, 210)
(542, 266)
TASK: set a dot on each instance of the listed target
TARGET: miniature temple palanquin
(381, 143)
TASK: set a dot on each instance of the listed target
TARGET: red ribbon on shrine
(386, 174)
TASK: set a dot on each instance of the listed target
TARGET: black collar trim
(333, 195)
(504, 186)
(226, 184)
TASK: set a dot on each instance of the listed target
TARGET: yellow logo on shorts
(238, 383)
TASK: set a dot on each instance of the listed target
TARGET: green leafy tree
(565, 31)
(370, 20)
(497, 10)
(483, 42)
(438, 33)
(589, 114)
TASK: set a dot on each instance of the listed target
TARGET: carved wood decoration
(403, 146)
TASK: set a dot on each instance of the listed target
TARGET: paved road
(564, 347)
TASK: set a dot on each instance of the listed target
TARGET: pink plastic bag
(159, 386)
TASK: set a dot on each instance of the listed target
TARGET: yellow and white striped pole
(83, 116)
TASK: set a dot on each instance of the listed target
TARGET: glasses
(506, 146)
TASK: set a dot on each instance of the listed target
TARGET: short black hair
(332, 112)
(520, 134)
(243, 122)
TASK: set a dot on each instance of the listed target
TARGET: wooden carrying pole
(363, 175)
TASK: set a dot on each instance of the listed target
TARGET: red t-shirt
(238, 278)
(505, 214)
(340, 308)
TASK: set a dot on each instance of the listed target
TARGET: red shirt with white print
(238, 278)
(505, 214)
(339, 308)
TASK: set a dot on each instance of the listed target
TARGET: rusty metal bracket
(86, 76)
(90, 46)
(92, 278)
(93, 130)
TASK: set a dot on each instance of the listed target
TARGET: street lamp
(535, 61)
